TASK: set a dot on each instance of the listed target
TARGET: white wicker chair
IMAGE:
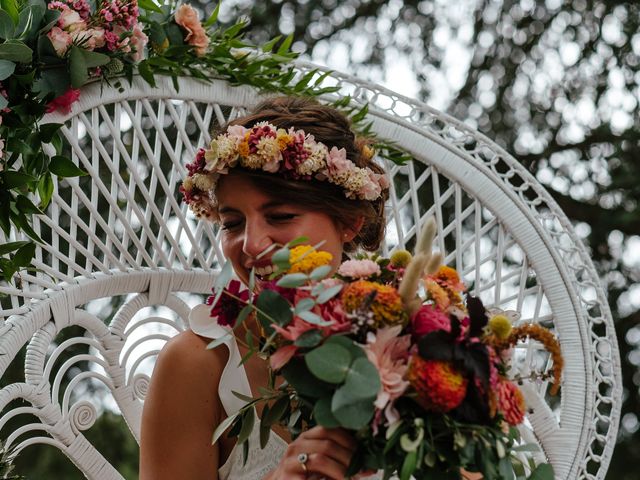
(121, 237)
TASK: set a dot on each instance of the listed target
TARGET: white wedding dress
(234, 378)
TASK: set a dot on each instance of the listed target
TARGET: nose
(257, 238)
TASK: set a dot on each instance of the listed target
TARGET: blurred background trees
(555, 82)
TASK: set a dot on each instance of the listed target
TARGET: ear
(349, 232)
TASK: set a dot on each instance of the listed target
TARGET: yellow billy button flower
(305, 259)
(400, 258)
(500, 326)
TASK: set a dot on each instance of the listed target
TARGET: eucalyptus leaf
(3, 101)
(276, 306)
(300, 378)
(351, 413)
(54, 81)
(362, 380)
(329, 293)
(344, 341)
(293, 280)
(314, 319)
(309, 339)
(7, 26)
(304, 305)
(505, 469)
(320, 272)
(322, 413)
(329, 362)
(281, 257)
(15, 51)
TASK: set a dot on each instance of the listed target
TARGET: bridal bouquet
(391, 349)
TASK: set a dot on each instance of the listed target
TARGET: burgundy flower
(429, 319)
(228, 307)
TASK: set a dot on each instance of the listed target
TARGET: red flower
(440, 386)
(63, 102)
(429, 319)
(228, 307)
(510, 402)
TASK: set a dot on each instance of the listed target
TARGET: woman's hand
(317, 453)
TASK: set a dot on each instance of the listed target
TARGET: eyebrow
(264, 206)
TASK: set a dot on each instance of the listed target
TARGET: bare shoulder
(182, 409)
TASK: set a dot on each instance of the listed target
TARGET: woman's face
(252, 221)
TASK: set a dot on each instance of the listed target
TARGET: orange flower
(440, 386)
(510, 402)
(188, 19)
(542, 335)
(386, 304)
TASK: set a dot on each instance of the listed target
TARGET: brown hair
(332, 128)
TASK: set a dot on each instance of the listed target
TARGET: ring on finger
(302, 460)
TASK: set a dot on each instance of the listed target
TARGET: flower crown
(293, 154)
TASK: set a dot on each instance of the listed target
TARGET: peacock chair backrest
(125, 261)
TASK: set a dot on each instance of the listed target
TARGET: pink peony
(138, 41)
(188, 19)
(60, 40)
(63, 102)
(429, 319)
(359, 269)
(389, 353)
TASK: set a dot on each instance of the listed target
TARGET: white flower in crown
(222, 153)
(203, 181)
(315, 162)
(269, 152)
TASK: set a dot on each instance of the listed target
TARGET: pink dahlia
(389, 354)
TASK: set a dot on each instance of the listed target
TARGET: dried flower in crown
(291, 153)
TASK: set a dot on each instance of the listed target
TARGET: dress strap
(234, 378)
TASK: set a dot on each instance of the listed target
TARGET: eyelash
(280, 217)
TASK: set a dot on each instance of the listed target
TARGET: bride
(190, 390)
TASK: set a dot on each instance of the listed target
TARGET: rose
(71, 21)
(187, 18)
(60, 40)
(90, 39)
(138, 41)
